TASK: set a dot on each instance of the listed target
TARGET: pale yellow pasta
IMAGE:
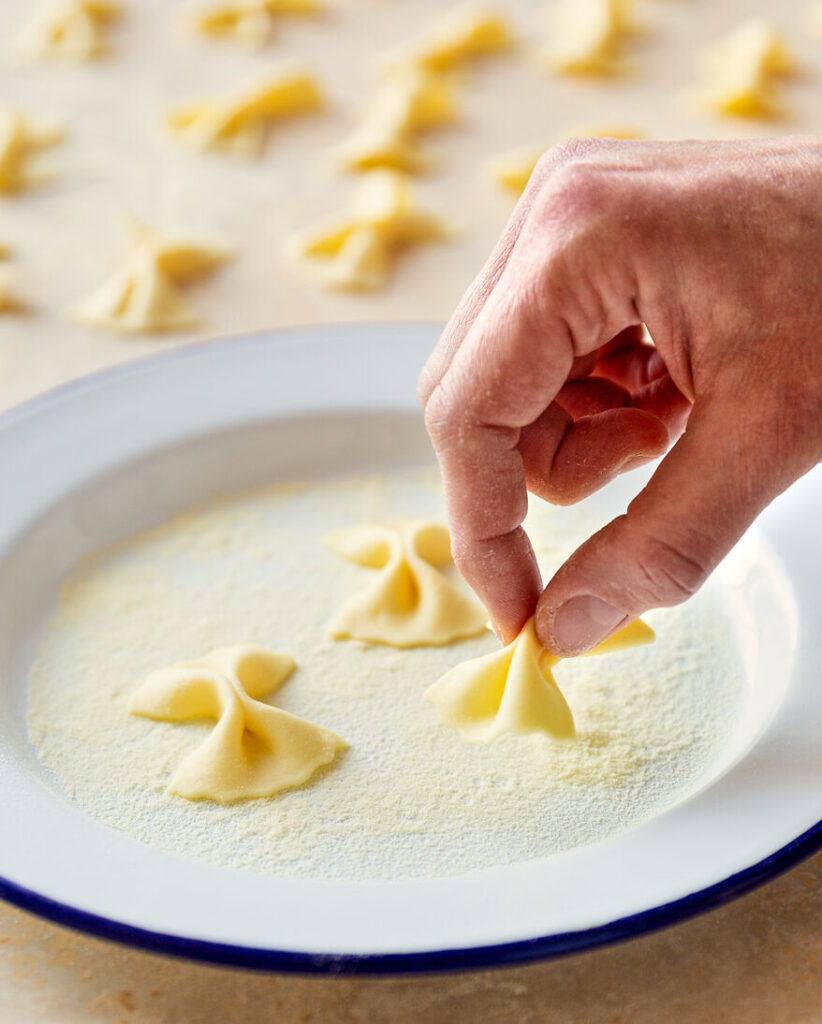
(9, 302)
(513, 690)
(77, 29)
(415, 94)
(461, 35)
(254, 749)
(249, 21)
(410, 101)
(239, 124)
(742, 72)
(20, 142)
(586, 36)
(513, 169)
(356, 250)
(145, 295)
(410, 602)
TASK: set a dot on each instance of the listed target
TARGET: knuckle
(581, 188)
(586, 184)
(441, 416)
(668, 572)
(461, 547)
(527, 305)
(566, 152)
(425, 386)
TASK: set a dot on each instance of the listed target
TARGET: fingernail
(582, 622)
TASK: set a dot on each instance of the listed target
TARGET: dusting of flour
(410, 798)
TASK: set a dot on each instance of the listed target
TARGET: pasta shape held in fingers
(513, 690)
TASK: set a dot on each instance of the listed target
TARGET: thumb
(701, 499)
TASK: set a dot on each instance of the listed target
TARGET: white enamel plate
(99, 459)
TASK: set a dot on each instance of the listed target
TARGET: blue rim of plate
(429, 961)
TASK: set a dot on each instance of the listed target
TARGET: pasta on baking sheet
(513, 690)
(77, 29)
(145, 294)
(411, 101)
(742, 72)
(254, 750)
(9, 302)
(249, 21)
(240, 124)
(417, 93)
(356, 250)
(514, 168)
(461, 35)
(411, 602)
(587, 35)
(20, 141)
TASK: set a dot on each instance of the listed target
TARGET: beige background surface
(756, 961)
(759, 959)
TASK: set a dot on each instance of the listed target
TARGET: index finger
(506, 372)
(544, 314)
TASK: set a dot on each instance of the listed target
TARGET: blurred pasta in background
(252, 121)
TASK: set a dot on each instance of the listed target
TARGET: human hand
(542, 382)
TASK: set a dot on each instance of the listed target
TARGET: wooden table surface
(758, 959)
